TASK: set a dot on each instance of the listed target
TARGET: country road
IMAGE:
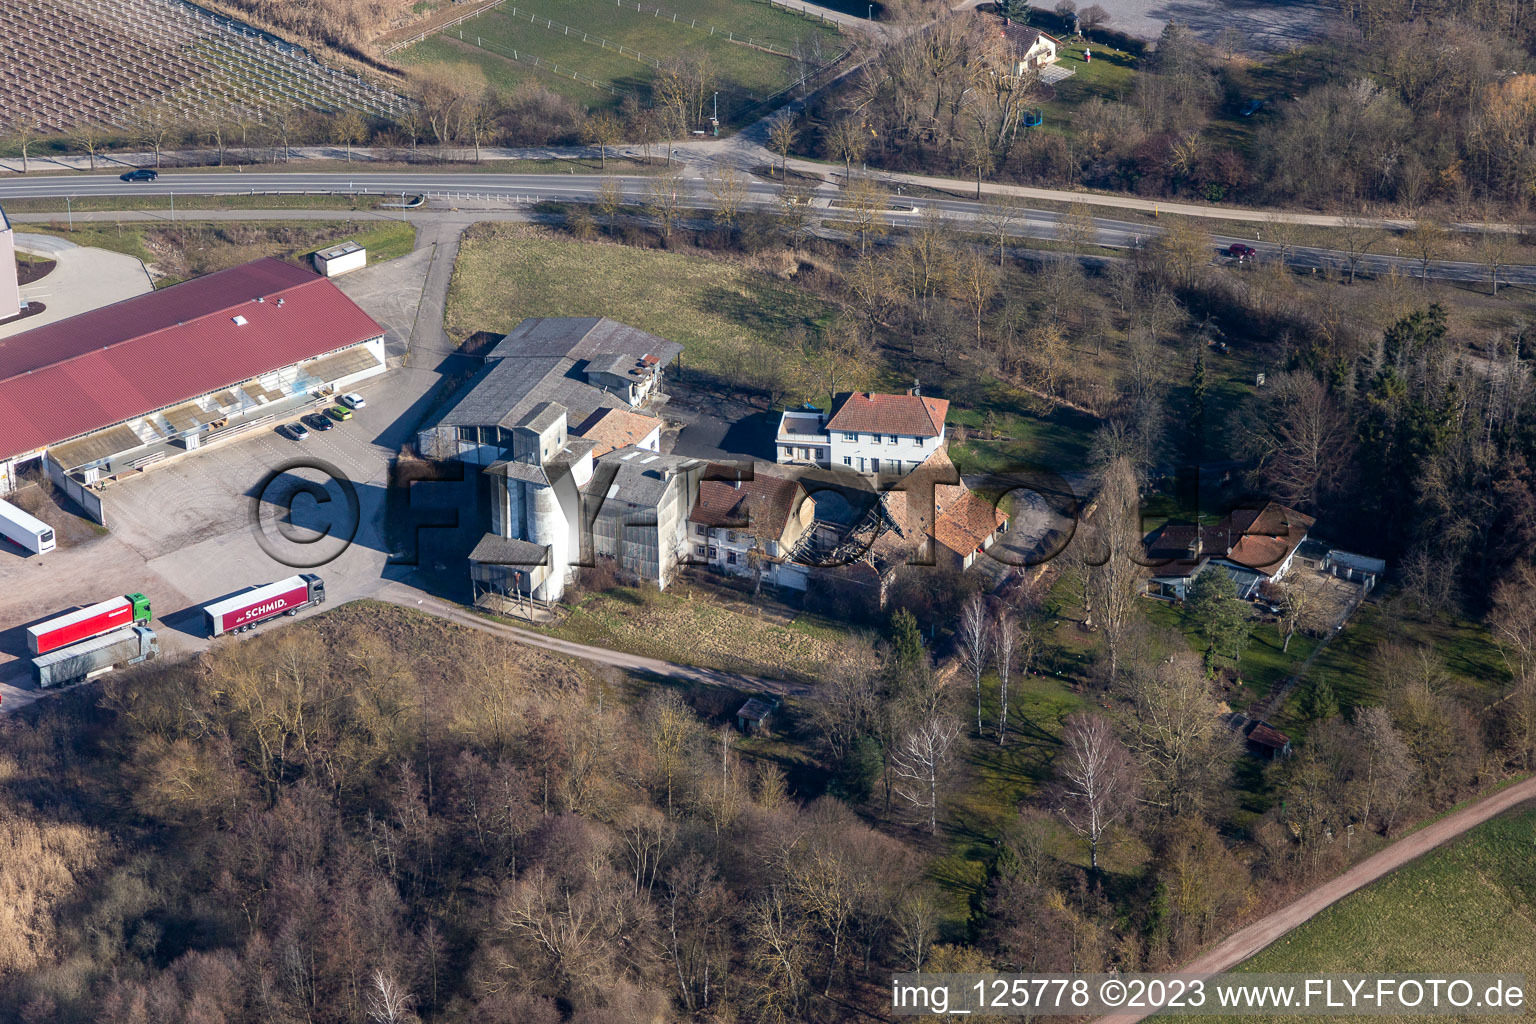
(528, 189)
(1241, 945)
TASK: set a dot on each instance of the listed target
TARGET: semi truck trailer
(25, 530)
(94, 656)
(244, 611)
(84, 623)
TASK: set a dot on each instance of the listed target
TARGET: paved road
(511, 190)
(1241, 945)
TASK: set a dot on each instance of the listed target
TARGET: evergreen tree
(1220, 615)
(1319, 703)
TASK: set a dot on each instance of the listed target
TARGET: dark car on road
(1240, 252)
(318, 422)
(142, 174)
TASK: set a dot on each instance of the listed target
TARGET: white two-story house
(867, 432)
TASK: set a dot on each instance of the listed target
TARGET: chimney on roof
(261, 298)
(279, 302)
(916, 390)
(737, 482)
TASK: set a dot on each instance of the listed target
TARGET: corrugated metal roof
(145, 353)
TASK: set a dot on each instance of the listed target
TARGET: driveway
(85, 279)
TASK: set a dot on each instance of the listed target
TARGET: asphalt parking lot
(183, 532)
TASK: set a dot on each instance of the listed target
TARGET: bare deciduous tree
(1115, 582)
(664, 199)
(999, 213)
(610, 200)
(782, 134)
(729, 192)
(920, 763)
(1098, 780)
(388, 1001)
(974, 639)
(1005, 642)
(602, 130)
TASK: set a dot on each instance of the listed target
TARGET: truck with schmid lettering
(245, 611)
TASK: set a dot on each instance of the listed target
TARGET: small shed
(754, 714)
(339, 259)
(1355, 568)
(1260, 737)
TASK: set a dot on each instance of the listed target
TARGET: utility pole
(70, 210)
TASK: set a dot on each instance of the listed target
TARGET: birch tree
(921, 762)
(1005, 642)
(1097, 788)
(975, 640)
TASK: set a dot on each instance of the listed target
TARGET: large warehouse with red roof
(116, 389)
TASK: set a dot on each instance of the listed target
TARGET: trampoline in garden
(1033, 118)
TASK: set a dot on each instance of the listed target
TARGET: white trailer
(95, 656)
(25, 529)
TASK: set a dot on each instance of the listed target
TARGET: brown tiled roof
(1267, 538)
(966, 520)
(874, 413)
(764, 503)
(962, 518)
(613, 429)
(1258, 539)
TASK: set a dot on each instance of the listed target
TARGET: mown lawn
(721, 312)
(1263, 664)
(1467, 907)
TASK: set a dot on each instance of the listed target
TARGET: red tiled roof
(133, 357)
(909, 415)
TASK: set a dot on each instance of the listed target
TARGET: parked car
(352, 400)
(1241, 252)
(319, 421)
(340, 412)
(298, 431)
(142, 174)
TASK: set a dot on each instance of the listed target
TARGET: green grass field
(1472, 662)
(1467, 907)
(585, 34)
(720, 311)
(702, 629)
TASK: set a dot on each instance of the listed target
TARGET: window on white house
(730, 557)
(850, 437)
(730, 536)
(701, 530)
(847, 460)
(892, 439)
(698, 549)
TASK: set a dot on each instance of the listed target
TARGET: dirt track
(1238, 947)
